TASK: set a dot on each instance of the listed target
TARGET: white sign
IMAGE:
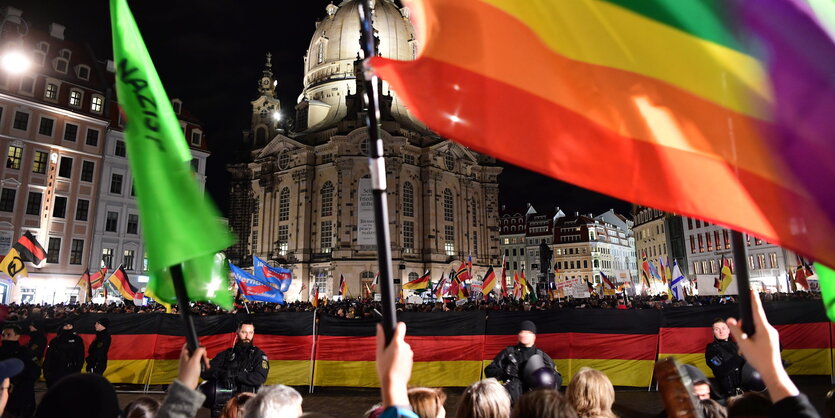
(5, 242)
(365, 213)
(574, 287)
(415, 299)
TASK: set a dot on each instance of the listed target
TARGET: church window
(408, 237)
(448, 206)
(475, 242)
(283, 238)
(413, 276)
(449, 237)
(475, 217)
(283, 160)
(255, 213)
(254, 241)
(320, 53)
(409, 159)
(284, 204)
(450, 161)
(326, 238)
(408, 199)
(263, 113)
(327, 199)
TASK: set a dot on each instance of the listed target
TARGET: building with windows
(585, 246)
(301, 193)
(540, 230)
(512, 244)
(708, 244)
(53, 121)
(118, 237)
(659, 235)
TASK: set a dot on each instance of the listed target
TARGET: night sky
(210, 54)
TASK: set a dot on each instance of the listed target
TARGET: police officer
(509, 366)
(22, 398)
(242, 368)
(37, 339)
(97, 353)
(733, 374)
(64, 356)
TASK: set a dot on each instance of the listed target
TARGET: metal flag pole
(377, 168)
(185, 309)
(743, 284)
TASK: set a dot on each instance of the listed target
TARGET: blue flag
(280, 277)
(256, 289)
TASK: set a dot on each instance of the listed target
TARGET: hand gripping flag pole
(742, 283)
(377, 168)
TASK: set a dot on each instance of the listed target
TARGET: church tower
(266, 108)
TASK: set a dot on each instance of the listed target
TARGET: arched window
(327, 199)
(448, 207)
(284, 204)
(408, 199)
(413, 276)
(320, 53)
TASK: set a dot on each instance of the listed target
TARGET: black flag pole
(742, 282)
(377, 167)
(185, 310)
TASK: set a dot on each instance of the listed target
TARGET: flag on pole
(281, 278)
(12, 265)
(647, 80)
(663, 270)
(84, 284)
(523, 284)
(470, 264)
(504, 278)
(376, 281)
(420, 284)
(180, 226)
(517, 288)
(607, 281)
(30, 249)
(677, 282)
(488, 283)
(253, 288)
(120, 281)
(802, 272)
(439, 288)
(727, 277)
(315, 301)
(463, 274)
(97, 278)
(343, 287)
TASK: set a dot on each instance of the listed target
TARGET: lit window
(15, 157)
(327, 199)
(40, 162)
(284, 204)
(75, 98)
(408, 200)
(51, 91)
(96, 104)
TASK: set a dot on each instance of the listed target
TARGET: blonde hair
(484, 399)
(591, 394)
(427, 402)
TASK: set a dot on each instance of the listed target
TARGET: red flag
(97, 279)
(343, 287)
(29, 248)
(488, 283)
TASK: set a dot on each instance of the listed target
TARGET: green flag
(179, 225)
(826, 281)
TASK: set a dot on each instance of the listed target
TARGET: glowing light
(454, 118)
(213, 287)
(456, 87)
(15, 62)
(277, 116)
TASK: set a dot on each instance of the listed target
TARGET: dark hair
(712, 409)
(749, 404)
(14, 328)
(715, 320)
(235, 403)
(543, 403)
(143, 407)
(246, 322)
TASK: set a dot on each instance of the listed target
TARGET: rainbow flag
(723, 110)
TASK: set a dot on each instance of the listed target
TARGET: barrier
(452, 348)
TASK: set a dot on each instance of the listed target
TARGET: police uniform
(508, 365)
(97, 353)
(64, 356)
(242, 368)
(22, 400)
(37, 341)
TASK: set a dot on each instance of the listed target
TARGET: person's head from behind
(543, 403)
(749, 405)
(143, 407)
(62, 399)
(245, 332)
(11, 333)
(701, 385)
(277, 401)
(484, 399)
(712, 409)
(428, 402)
(234, 407)
(591, 393)
(720, 329)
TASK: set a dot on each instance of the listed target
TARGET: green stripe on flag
(179, 225)
(706, 19)
(826, 280)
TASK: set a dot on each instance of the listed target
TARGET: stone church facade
(301, 194)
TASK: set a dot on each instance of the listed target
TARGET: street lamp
(14, 59)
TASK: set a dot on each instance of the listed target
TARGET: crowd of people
(522, 381)
(363, 308)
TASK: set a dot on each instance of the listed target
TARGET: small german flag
(29, 249)
(119, 280)
(421, 283)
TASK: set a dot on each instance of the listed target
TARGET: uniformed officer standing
(22, 399)
(510, 364)
(97, 353)
(64, 356)
(242, 368)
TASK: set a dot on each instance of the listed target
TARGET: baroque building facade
(301, 196)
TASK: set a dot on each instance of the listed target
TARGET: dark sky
(210, 54)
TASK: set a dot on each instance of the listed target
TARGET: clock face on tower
(265, 82)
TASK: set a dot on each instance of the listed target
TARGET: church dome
(329, 63)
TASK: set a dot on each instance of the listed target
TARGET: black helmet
(538, 375)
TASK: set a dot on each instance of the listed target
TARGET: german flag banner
(803, 327)
(452, 348)
(447, 349)
(621, 344)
